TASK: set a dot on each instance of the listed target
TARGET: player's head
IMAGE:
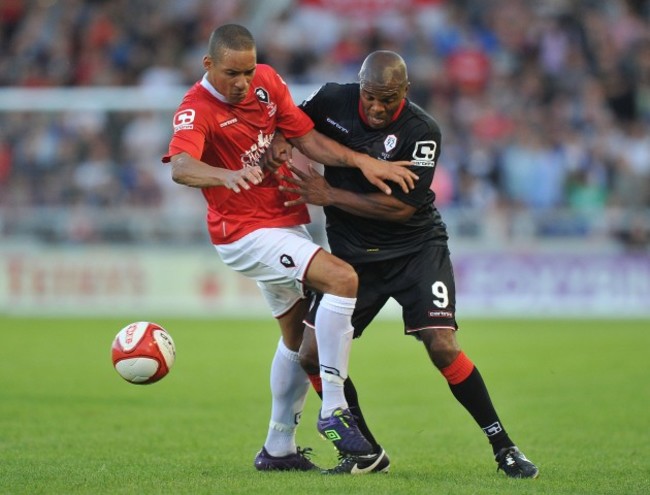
(231, 61)
(384, 84)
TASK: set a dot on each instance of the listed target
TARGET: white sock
(289, 387)
(334, 338)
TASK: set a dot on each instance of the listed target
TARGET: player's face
(231, 73)
(379, 103)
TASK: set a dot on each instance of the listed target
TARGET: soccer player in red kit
(222, 128)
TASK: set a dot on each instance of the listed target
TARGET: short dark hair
(383, 67)
(231, 37)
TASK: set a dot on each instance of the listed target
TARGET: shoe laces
(512, 458)
(306, 453)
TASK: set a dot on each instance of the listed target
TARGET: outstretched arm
(191, 172)
(315, 190)
(324, 150)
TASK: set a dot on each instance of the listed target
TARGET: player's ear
(207, 62)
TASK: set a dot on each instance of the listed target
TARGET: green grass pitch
(573, 394)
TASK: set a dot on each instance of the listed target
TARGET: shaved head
(230, 37)
(383, 69)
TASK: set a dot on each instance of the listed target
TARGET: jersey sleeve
(190, 130)
(423, 150)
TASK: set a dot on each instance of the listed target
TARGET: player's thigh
(426, 290)
(277, 259)
(372, 295)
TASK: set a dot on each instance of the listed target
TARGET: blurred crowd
(544, 106)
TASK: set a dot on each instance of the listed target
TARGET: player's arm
(314, 189)
(324, 150)
(191, 172)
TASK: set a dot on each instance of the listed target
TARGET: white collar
(206, 84)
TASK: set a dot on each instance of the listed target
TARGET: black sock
(473, 395)
(353, 403)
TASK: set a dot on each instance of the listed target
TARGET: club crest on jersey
(287, 261)
(184, 120)
(262, 95)
(390, 142)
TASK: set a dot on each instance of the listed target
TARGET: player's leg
(277, 259)
(465, 382)
(370, 300)
(289, 387)
(435, 297)
(289, 384)
(467, 385)
(378, 461)
(309, 362)
(337, 281)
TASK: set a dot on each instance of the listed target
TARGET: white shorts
(278, 259)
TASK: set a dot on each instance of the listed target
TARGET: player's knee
(344, 281)
(442, 358)
(441, 345)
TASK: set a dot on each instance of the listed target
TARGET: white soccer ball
(143, 352)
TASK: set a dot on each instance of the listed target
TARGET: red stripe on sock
(459, 370)
(316, 382)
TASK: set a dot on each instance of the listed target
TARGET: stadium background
(543, 180)
(544, 177)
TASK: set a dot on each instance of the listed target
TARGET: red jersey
(236, 136)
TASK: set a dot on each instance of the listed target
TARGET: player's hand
(378, 172)
(310, 185)
(236, 180)
(278, 153)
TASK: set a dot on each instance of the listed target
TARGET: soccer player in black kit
(397, 243)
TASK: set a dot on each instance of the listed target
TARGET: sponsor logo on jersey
(184, 120)
(424, 153)
(228, 122)
(337, 125)
(440, 314)
(287, 261)
(253, 154)
(390, 142)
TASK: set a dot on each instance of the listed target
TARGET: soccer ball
(143, 352)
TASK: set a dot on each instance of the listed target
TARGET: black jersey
(414, 136)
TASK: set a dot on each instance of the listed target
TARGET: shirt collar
(206, 84)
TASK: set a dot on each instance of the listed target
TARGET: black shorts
(422, 283)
